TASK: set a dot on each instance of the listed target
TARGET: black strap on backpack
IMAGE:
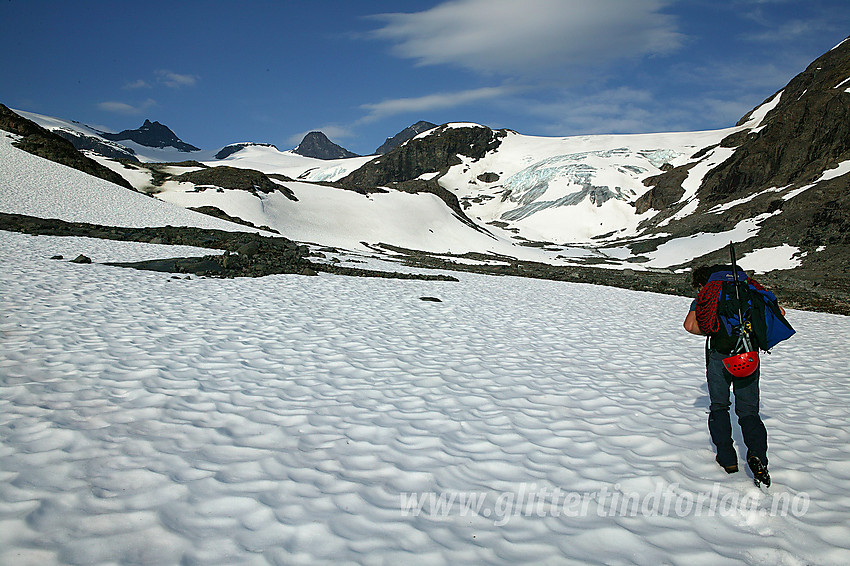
(744, 343)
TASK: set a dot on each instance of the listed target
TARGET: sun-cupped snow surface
(326, 420)
(37, 187)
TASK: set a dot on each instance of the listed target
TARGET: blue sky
(360, 71)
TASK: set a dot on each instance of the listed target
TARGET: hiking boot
(730, 469)
(760, 474)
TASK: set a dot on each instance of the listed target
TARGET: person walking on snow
(746, 392)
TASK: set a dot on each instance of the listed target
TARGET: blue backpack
(757, 305)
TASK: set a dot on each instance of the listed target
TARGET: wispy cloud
(790, 31)
(436, 101)
(530, 37)
(176, 80)
(125, 108)
(615, 110)
(135, 85)
(811, 19)
(629, 110)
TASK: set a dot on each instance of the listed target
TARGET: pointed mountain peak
(317, 145)
(152, 134)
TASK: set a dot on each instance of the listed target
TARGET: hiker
(720, 347)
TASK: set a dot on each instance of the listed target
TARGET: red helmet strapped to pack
(742, 365)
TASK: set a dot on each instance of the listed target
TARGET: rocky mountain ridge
(44, 143)
(152, 134)
(317, 145)
(787, 171)
(433, 153)
(404, 135)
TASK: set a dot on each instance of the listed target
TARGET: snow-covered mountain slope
(322, 215)
(591, 180)
(37, 187)
(349, 220)
(124, 149)
(568, 190)
(148, 420)
(271, 160)
(262, 157)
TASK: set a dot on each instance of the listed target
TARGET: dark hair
(701, 274)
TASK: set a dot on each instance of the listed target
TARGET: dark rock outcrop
(317, 145)
(666, 189)
(433, 153)
(219, 213)
(401, 168)
(91, 143)
(234, 178)
(46, 144)
(246, 254)
(806, 133)
(803, 136)
(404, 135)
(152, 134)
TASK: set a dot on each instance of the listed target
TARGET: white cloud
(124, 108)
(431, 102)
(133, 85)
(532, 36)
(175, 80)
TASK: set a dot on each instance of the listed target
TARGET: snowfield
(333, 420)
(149, 419)
(37, 187)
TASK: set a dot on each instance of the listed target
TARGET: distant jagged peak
(317, 145)
(404, 135)
(152, 134)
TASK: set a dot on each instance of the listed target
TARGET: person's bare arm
(691, 325)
